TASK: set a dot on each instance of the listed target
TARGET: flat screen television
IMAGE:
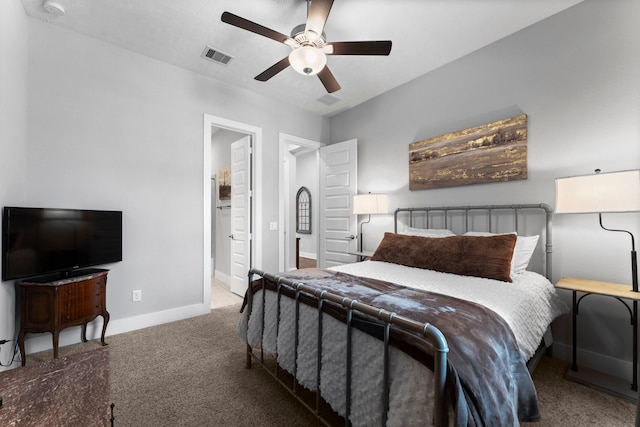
(39, 241)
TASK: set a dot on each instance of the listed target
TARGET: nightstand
(51, 304)
(585, 375)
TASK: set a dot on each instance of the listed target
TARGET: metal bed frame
(430, 332)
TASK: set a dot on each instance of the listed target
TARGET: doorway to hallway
(229, 247)
(299, 167)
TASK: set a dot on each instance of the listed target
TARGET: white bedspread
(528, 305)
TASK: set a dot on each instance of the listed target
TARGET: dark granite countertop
(70, 391)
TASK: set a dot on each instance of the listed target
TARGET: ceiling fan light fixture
(308, 60)
(309, 44)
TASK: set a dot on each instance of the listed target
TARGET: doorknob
(351, 237)
(231, 236)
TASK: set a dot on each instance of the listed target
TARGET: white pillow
(525, 245)
(427, 232)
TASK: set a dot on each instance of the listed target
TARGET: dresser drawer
(81, 300)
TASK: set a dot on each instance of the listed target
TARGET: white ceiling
(426, 34)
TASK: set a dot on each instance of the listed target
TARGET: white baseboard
(40, 342)
(596, 361)
(308, 255)
(222, 277)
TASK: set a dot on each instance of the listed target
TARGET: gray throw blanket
(488, 381)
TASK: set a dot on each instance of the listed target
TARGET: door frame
(283, 225)
(211, 121)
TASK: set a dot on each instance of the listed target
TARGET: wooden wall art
(494, 152)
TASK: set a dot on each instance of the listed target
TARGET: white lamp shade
(308, 60)
(368, 204)
(601, 192)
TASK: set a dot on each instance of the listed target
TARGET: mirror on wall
(303, 211)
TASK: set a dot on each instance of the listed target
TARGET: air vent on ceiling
(328, 99)
(216, 56)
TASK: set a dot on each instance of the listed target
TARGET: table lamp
(369, 204)
(602, 193)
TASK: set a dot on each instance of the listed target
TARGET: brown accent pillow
(479, 256)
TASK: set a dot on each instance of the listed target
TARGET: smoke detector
(54, 8)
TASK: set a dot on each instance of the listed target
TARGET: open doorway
(298, 177)
(215, 255)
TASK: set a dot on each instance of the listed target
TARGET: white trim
(70, 336)
(309, 255)
(222, 277)
(284, 140)
(256, 246)
(599, 362)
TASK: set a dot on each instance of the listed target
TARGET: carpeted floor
(569, 404)
(191, 373)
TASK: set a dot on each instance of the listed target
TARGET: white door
(338, 185)
(240, 214)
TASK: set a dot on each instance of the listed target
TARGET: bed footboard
(430, 332)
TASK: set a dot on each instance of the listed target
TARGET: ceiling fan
(309, 44)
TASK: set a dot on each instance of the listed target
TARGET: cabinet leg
(23, 355)
(83, 333)
(56, 336)
(105, 317)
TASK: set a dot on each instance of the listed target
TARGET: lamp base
(609, 384)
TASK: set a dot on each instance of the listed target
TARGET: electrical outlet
(137, 296)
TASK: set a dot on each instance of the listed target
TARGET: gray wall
(13, 139)
(576, 77)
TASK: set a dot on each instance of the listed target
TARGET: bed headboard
(525, 219)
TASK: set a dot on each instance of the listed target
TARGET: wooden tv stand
(52, 303)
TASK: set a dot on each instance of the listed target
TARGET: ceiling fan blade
(330, 83)
(273, 70)
(380, 47)
(317, 16)
(245, 24)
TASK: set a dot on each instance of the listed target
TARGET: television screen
(37, 241)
